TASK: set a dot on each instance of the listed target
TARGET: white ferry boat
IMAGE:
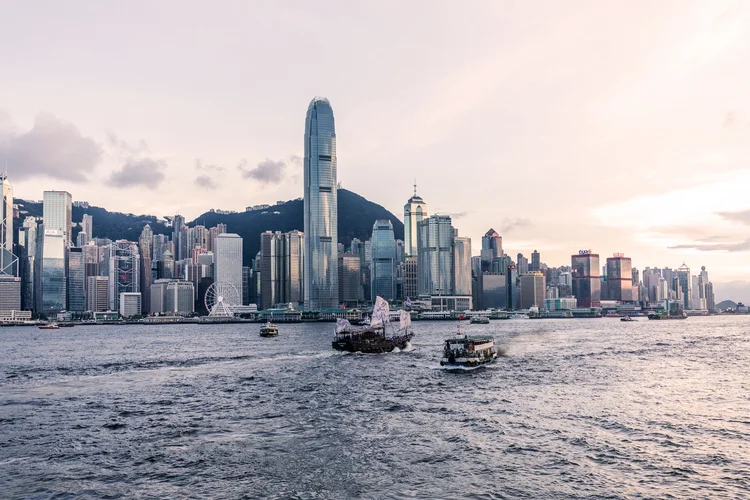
(468, 352)
(269, 330)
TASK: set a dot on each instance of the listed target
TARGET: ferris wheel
(222, 299)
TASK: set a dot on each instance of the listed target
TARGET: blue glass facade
(76, 296)
(383, 266)
(320, 209)
(53, 277)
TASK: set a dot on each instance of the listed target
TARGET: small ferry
(467, 352)
(49, 326)
(626, 318)
(479, 320)
(68, 324)
(269, 330)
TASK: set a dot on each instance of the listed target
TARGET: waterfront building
(350, 287)
(124, 273)
(6, 215)
(533, 287)
(10, 294)
(494, 291)
(180, 298)
(586, 279)
(27, 264)
(383, 263)
(129, 304)
(228, 260)
(320, 208)
(58, 214)
(294, 268)
(560, 303)
(619, 278)
(145, 242)
(462, 265)
(97, 293)
(281, 268)
(409, 278)
(247, 280)
(53, 286)
(76, 281)
(415, 211)
(435, 255)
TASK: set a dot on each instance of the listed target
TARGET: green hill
(356, 217)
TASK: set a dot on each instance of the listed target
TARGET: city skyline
(510, 99)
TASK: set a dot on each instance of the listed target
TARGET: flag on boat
(342, 324)
(404, 320)
(408, 302)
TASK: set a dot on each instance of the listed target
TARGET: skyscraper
(228, 260)
(58, 213)
(522, 264)
(320, 207)
(27, 245)
(76, 281)
(462, 265)
(383, 263)
(586, 279)
(492, 248)
(620, 278)
(536, 262)
(435, 255)
(53, 287)
(532, 290)
(179, 237)
(415, 211)
(8, 260)
(97, 291)
(685, 286)
(124, 273)
(271, 268)
(144, 249)
(350, 288)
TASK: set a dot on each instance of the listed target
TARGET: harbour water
(592, 408)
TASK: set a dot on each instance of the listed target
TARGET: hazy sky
(614, 126)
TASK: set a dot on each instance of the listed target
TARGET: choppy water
(577, 409)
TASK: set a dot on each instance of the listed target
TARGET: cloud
(201, 167)
(205, 181)
(730, 119)
(742, 217)
(742, 246)
(53, 148)
(267, 171)
(513, 224)
(124, 147)
(145, 172)
(457, 215)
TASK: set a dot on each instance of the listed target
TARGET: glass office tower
(320, 209)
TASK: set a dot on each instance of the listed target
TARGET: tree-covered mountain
(356, 218)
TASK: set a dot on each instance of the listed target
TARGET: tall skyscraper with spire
(8, 260)
(415, 211)
(320, 207)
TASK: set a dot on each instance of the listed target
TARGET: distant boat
(49, 326)
(66, 325)
(479, 320)
(269, 330)
(626, 318)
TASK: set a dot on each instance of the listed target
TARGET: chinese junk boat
(269, 330)
(467, 352)
(374, 338)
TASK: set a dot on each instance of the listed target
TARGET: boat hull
(372, 345)
(466, 363)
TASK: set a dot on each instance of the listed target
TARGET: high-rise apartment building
(320, 208)
(415, 211)
(383, 263)
(586, 279)
(462, 265)
(435, 255)
(620, 278)
(228, 260)
(9, 265)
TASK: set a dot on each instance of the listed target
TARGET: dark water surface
(577, 409)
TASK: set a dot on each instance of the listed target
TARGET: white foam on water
(408, 347)
(396, 349)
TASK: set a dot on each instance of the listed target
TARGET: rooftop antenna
(415, 186)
